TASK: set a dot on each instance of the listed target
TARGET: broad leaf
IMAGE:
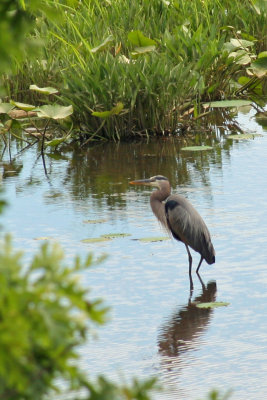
(105, 114)
(260, 66)
(54, 111)
(56, 141)
(139, 40)
(228, 103)
(142, 50)
(22, 106)
(6, 107)
(241, 43)
(103, 45)
(45, 90)
(241, 57)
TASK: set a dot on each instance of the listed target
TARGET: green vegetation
(142, 67)
(46, 315)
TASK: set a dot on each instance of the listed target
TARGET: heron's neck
(156, 201)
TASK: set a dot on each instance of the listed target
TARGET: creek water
(153, 329)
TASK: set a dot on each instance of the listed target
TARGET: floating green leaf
(244, 136)
(139, 40)
(213, 304)
(6, 107)
(45, 90)
(54, 111)
(228, 103)
(115, 235)
(94, 221)
(196, 148)
(154, 239)
(95, 240)
(105, 114)
(43, 238)
(103, 45)
(22, 106)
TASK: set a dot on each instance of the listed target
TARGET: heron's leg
(189, 259)
(200, 262)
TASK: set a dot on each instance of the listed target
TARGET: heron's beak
(141, 182)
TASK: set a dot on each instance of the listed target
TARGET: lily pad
(54, 111)
(22, 106)
(43, 238)
(153, 239)
(95, 240)
(213, 304)
(5, 108)
(244, 136)
(196, 148)
(45, 90)
(228, 103)
(94, 221)
(115, 235)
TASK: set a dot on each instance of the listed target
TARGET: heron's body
(179, 217)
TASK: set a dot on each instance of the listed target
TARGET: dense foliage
(45, 315)
(142, 67)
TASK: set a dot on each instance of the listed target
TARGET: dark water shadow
(181, 332)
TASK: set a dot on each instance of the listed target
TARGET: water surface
(154, 329)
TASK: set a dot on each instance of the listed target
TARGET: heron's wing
(187, 225)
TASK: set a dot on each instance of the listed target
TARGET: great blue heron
(179, 217)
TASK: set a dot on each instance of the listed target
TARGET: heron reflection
(182, 331)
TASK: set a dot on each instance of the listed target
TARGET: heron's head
(155, 181)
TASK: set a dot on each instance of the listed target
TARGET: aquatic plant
(139, 68)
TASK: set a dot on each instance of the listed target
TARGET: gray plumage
(179, 217)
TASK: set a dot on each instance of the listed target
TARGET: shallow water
(153, 329)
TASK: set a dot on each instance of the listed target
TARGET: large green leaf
(241, 43)
(56, 141)
(44, 90)
(105, 114)
(104, 45)
(228, 103)
(260, 63)
(139, 40)
(241, 57)
(6, 107)
(22, 106)
(54, 111)
(138, 51)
